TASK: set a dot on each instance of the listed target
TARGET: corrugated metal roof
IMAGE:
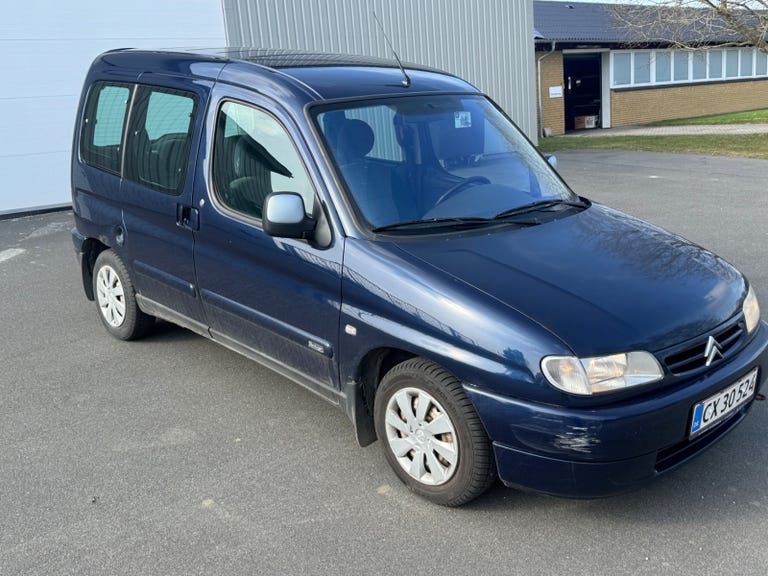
(577, 22)
(608, 23)
(487, 42)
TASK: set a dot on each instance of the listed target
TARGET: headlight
(751, 310)
(586, 376)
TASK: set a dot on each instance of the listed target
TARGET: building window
(681, 66)
(622, 68)
(663, 66)
(631, 68)
(745, 66)
(641, 66)
(699, 65)
(731, 63)
(716, 64)
(761, 64)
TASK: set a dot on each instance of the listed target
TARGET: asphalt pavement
(174, 456)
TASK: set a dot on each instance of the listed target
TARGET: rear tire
(116, 299)
(431, 435)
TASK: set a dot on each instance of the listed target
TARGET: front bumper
(599, 451)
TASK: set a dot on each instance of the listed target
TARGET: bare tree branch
(694, 24)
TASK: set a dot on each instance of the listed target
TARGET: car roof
(311, 76)
(281, 58)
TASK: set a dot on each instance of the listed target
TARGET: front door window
(253, 155)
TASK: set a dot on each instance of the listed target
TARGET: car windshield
(431, 159)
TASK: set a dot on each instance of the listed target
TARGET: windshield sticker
(462, 119)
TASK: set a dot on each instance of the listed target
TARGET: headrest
(355, 140)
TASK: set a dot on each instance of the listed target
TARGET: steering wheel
(453, 190)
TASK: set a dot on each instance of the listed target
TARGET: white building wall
(487, 42)
(46, 49)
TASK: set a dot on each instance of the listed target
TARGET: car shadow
(168, 332)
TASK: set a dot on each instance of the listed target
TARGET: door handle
(187, 217)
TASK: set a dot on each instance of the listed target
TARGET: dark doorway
(581, 78)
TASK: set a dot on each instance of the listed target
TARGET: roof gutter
(538, 77)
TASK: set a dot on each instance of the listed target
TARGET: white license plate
(715, 408)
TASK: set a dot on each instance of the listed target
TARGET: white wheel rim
(421, 436)
(110, 296)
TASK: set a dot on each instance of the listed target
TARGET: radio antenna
(406, 79)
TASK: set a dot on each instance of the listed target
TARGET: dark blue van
(387, 238)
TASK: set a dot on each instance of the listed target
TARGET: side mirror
(285, 216)
(552, 160)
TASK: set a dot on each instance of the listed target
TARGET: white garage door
(46, 49)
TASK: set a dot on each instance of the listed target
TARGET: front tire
(116, 299)
(431, 435)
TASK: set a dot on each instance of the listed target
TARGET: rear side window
(103, 126)
(160, 138)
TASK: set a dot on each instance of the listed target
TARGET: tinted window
(253, 155)
(103, 126)
(160, 138)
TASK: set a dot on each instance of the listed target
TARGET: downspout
(538, 77)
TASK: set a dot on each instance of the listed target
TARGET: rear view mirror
(285, 216)
(552, 160)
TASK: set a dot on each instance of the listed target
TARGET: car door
(162, 140)
(275, 299)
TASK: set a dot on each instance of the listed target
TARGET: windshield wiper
(436, 223)
(540, 205)
(474, 222)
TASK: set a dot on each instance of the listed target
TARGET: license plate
(717, 407)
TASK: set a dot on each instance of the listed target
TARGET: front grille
(691, 355)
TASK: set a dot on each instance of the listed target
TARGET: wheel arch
(361, 391)
(360, 388)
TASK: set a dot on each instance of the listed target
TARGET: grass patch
(744, 145)
(749, 117)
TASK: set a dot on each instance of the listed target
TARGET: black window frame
(86, 151)
(137, 122)
(216, 195)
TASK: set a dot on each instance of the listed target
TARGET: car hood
(600, 280)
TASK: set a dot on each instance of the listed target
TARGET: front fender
(392, 300)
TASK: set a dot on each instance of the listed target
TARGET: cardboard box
(584, 122)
